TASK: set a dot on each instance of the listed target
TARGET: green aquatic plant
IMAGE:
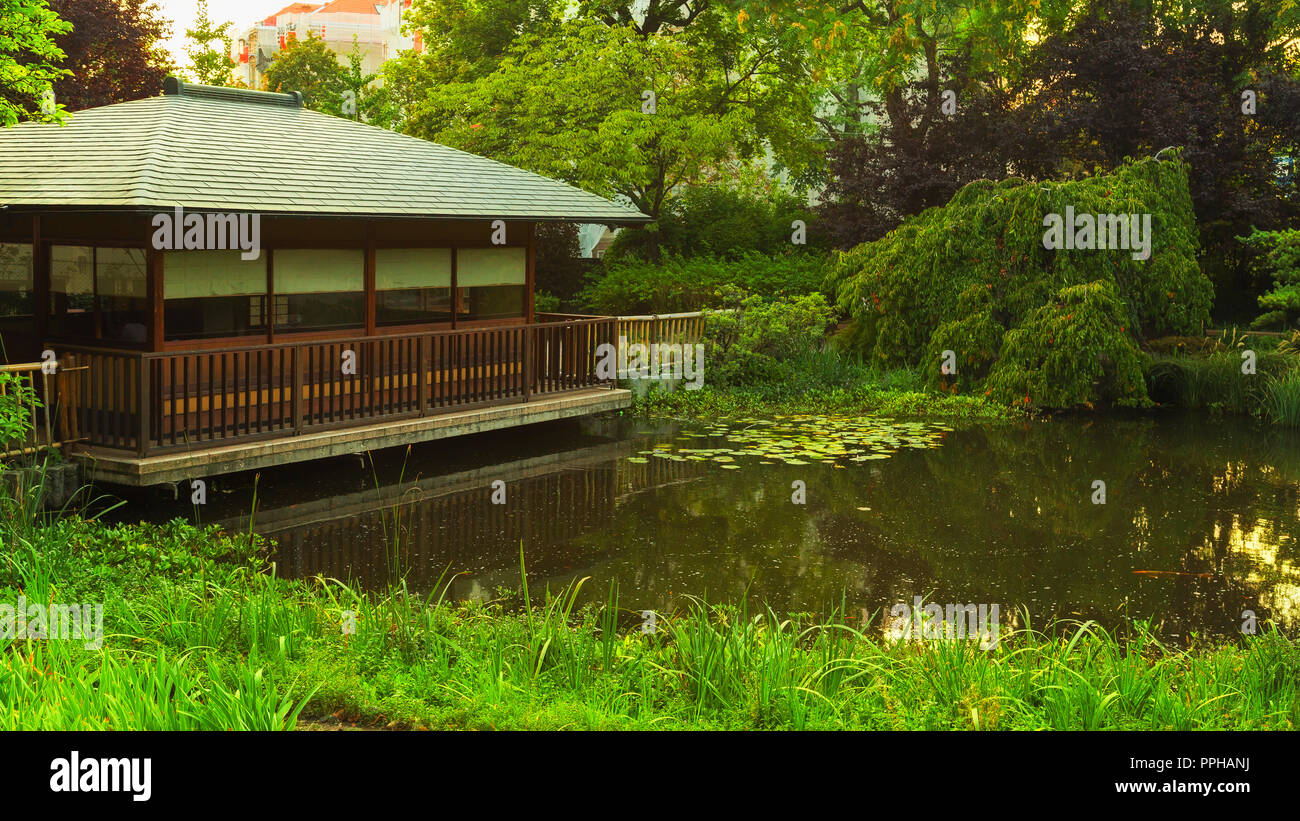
(798, 440)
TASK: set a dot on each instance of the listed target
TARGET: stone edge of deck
(123, 469)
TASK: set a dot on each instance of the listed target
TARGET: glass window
(319, 290)
(72, 290)
(491, 282)
(412, 285)
(213, 294)
(16, 297)
(121, 284)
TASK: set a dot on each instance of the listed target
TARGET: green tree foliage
(571, 99)
(309, 66)
(1282, 259)
(360, 101)
(722, 221)
(974, 277)
(114, 51)
(29, 55)
(208, 47)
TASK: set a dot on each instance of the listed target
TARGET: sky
(241, 12)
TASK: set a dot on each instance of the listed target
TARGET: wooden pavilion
(229, 280)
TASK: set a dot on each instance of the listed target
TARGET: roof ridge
(174, 86)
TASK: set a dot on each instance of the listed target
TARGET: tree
(359, 100)
(621, 109)
(209, 65)
(113, 52)
(1132, 78)
(307, 65)
(28, 54)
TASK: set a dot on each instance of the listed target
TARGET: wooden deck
(177, 466)
(127, 410)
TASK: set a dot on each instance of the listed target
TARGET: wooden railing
(651, 328)
(155, 402)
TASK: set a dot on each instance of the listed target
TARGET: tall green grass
(1216, 382)
(202, 634)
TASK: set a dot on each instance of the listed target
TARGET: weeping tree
(971, 293)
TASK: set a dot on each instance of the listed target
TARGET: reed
(202, 634)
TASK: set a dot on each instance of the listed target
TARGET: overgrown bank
(200, 634)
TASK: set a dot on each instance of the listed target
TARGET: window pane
(215, 316)
(412, 285)
(492, 282)
(213, 294)
(16, 297)
(492, 302)
(319, 312)
(413, 305)
(477, 267)
(319, 290)
(72, 290)
(120, 280)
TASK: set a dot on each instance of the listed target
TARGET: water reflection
(1200, 522)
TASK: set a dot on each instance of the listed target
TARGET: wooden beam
(154, 287)
(40, 283)
(532, 272)
(370, 299)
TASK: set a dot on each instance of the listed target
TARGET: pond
(1198, 522)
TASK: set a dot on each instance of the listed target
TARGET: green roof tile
(223, 149)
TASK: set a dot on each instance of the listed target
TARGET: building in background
(373, 26)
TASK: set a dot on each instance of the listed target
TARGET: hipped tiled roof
(235, 150)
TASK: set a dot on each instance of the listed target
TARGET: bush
(1072, 351)
(973, 277)
(679, 284)
(757, 342)
(1282, 260)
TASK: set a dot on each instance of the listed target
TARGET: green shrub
(679, 284)
(1060, 326)
(1282, 259)
(757, 342)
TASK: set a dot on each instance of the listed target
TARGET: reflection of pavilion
(450, 520)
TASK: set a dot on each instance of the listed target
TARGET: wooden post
(297, 389)
(529, 330)
(370, 299)
(142, 371)
(154, 286)
(40, 283)
(530, 276)
(425, 342)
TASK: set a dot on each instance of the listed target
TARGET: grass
(202, 634)
(1215, 382)
(824, 382)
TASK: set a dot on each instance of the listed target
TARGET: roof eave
(603, 219)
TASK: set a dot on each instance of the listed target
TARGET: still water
(1199, 522)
